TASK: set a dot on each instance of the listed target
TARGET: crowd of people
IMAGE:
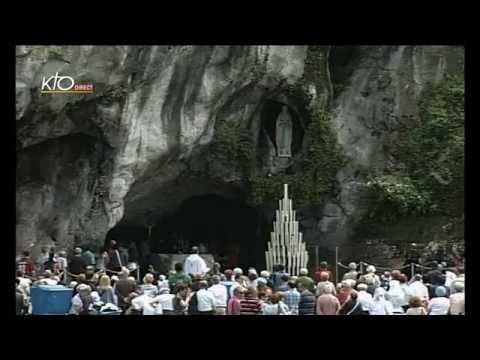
(194, 289)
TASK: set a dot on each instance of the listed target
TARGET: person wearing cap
(457, 300)
(252, 277)
(194, 264)
(440, 304)
(219, 291)
(206, 302)
(306, 280)
(352, 272)
(324, 281)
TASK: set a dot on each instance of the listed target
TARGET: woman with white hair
(364, 298)
(305, 280)
(352, 272)
(344, 292)
(397, 297)
(380, 305)
(327, 303)
(147, 288)
(82, 303)
(457, 300)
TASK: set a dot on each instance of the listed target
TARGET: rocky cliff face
(135, 148)
(82, 157)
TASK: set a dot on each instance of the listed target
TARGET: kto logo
(64, 84)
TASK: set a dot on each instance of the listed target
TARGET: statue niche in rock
(283, 133)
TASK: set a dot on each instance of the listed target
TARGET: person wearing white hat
(252, 278)
(352, 273)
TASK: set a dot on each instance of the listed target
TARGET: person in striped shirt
(250, 305)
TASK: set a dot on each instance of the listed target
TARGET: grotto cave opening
(229, 229)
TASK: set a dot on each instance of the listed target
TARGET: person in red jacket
(321, 269)
(26, 265)
(344, 292)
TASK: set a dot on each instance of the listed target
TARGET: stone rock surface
(152, 109)
(129, 152)
(381, 95)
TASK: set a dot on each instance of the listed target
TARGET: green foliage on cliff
(432, 152)
(322, 156)
(321, 162)
(232, 149)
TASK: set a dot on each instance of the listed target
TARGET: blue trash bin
(51, 299)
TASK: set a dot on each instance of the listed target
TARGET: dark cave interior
(232, 231)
